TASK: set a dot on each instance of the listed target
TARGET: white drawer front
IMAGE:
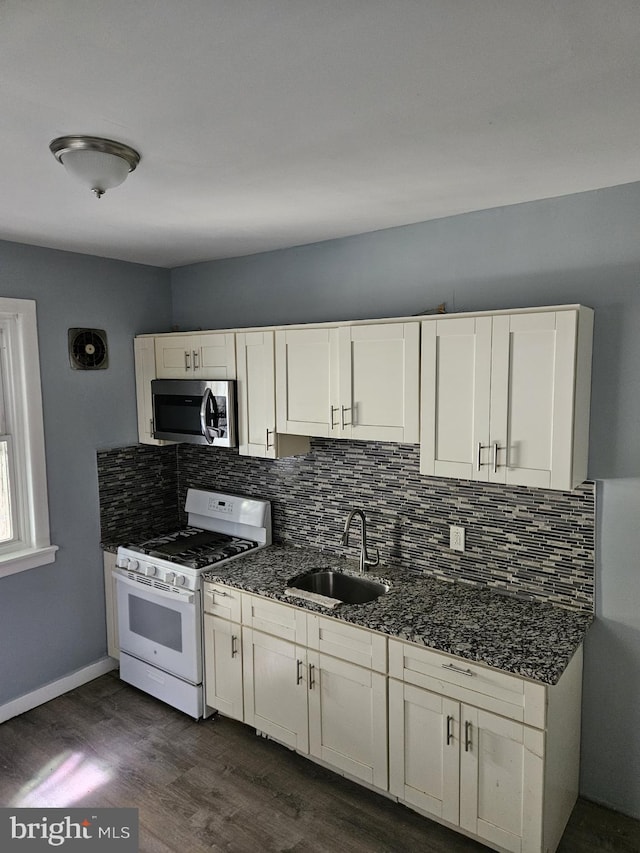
(469, 682)
(344, 641)
(223, 601)
(272, 617)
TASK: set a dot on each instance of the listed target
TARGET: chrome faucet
(365, 561)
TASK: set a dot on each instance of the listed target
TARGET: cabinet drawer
(490, 689)
(223, 601)
(340, 640)
(272, 617)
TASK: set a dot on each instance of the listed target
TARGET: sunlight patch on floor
(66, 780)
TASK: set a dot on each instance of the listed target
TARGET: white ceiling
(271, 123)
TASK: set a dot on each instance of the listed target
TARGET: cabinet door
(214, 356)
(501, 780)
(455, 397)
(532, 398)
(424, 750)
(348, 718)
(223, 666)
(306, 382)
(174, 356)
(257, 400)
(275, 688)
(379, 388)
(145, 364)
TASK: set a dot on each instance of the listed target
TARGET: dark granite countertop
(529, 638)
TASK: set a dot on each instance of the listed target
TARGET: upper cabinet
(257, 399)
(207, 356)
(505, 398)
(145, 364)
(352, 381)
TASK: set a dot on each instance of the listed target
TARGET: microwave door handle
(207, 398)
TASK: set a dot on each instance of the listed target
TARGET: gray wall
(52, 619)
(583, 248)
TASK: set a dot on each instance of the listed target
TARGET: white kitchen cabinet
(223, 649)
(487, 752)
(347, 668)
(505, 398)
(348, 718)
(307, 382)
(379, 382)
(355, 381)
(145, 366)
(223, 666)
(255, 355)
(110, 597)
(275, 688)
(209, 355)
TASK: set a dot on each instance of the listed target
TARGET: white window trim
(35, 548)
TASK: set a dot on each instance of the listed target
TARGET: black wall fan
(88, 349)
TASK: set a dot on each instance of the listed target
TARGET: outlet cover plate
(456, 538)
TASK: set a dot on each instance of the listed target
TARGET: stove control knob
(149, 570)
(133, 565)
(170, 577)
(180, 580)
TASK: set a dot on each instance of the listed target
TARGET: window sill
(28, 558)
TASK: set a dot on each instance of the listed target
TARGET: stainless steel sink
(350, 589)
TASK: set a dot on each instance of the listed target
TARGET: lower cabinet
(223, 666)
(466, 766)
(275, 688)
(348, 718)
(488, 753)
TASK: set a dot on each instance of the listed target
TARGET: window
(24, 509)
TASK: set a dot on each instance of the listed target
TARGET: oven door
(161, 627)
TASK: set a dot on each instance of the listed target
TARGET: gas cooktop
(193, 547)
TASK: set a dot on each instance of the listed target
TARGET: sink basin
(350, 589)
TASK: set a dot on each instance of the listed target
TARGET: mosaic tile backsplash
(530, 542)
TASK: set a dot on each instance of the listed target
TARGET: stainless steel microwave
(194, 411)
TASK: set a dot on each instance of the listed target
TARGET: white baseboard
(56, 688)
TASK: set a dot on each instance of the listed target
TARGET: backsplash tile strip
(138, 487)
(535, 543)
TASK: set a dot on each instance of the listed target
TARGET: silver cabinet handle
(298, 671)
(467, 736)
(458, 669)
(344, 409)
(196, 359)
(269, 432)
(481, 447)
(234, 645)
(218, 592)
(496, 449)
(332, 423)
(312, 680)
(449, 729)
(151, 425)
(187, 360)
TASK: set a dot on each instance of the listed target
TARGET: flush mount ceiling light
(100, 164)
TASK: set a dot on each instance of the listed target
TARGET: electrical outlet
(456, 538)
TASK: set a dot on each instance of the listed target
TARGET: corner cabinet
(255, 358)
(505, 398)
(210, 355)
(110, 598)
(352, 381)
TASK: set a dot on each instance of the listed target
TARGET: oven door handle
(183, 596)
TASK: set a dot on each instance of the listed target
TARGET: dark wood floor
(216, 786)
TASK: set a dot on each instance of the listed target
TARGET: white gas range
(159, 597)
